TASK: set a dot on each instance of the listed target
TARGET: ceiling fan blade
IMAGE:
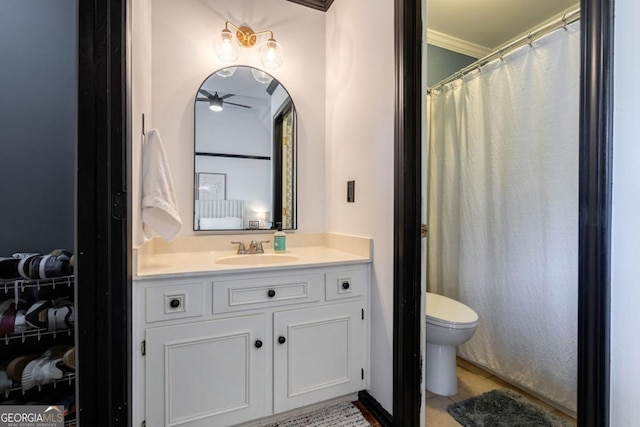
(237, 105)
(206, 93)
(203, 99)
(227, 96)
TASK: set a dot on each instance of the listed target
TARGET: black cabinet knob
(282, 340)
(175, 303)
(271, 293)
(258, 344)
(345, 285)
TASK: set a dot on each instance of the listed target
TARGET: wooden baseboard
(379, 413)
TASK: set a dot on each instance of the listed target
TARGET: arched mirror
(245, 152)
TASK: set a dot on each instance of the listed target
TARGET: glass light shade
(271, 54)
(227, 72)
(261, 76)
(226, 47)
(216, 105)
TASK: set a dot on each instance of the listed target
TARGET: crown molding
(322, 5)
(455, 44)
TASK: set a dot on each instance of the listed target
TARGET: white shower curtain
(503, 211)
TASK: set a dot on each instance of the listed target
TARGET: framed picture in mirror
(211, 186)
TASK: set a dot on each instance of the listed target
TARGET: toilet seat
(449, 313)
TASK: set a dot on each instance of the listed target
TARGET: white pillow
(226, 223)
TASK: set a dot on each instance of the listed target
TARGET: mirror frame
(595, 190)
(288, 105)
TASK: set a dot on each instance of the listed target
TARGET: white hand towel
(159, 208)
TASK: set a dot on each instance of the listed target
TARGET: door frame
(595, 160)
(103, 236)
(103, 242)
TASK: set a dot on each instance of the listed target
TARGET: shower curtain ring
(564, 22)
(530, 39)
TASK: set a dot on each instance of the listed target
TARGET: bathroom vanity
(225, 339)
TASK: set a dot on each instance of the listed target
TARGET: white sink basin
(257, 259)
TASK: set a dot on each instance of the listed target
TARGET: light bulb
(227, 72)
(271, 54)
(226, 47)
(215, 104)
(261, 76)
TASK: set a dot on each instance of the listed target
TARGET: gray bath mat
(502, 408)
(339, 415)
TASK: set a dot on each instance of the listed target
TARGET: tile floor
(472, 381)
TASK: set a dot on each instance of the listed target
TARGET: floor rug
(339, 415)
(503, 408)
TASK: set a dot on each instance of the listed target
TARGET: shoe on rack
(66, 400)
(9, 268)
(21, 255)
(7, 316)
(61, 252)
(48, 266)
(44, 369)
(69, 359)
(51, 314)
(5, 381)
(17, 365)
(24, 266)
(36, 316)
(61, 315)
(12, 318)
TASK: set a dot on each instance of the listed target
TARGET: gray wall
(441, 63)
(38, 100)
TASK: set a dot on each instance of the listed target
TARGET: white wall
(182, 57)
(345, 111)
(360, 131)
(139, 97)
(625, 285)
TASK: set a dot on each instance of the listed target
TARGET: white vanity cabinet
(222, 349)
(318, 354)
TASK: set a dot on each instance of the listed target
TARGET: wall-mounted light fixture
(227, 47)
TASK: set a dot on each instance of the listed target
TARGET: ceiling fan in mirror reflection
(216, 101)
(227, 47)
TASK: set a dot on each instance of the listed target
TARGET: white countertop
(204, 262)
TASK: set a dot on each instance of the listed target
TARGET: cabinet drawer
(344, 284)
(175, 301)
(248, 294)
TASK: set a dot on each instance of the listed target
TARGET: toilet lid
(447, 312)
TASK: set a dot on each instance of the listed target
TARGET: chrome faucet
(254, 247)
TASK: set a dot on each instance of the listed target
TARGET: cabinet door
(318, 354)
(206, 373)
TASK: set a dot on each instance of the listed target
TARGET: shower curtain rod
(561, 22)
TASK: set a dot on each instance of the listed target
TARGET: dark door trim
(594, 287)
(595, 214)
(103, 240)
(407, 299)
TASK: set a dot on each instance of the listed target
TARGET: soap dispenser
(279, 240)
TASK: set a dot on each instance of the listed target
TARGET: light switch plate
(351, 191)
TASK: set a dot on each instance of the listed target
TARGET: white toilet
(449, 324)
